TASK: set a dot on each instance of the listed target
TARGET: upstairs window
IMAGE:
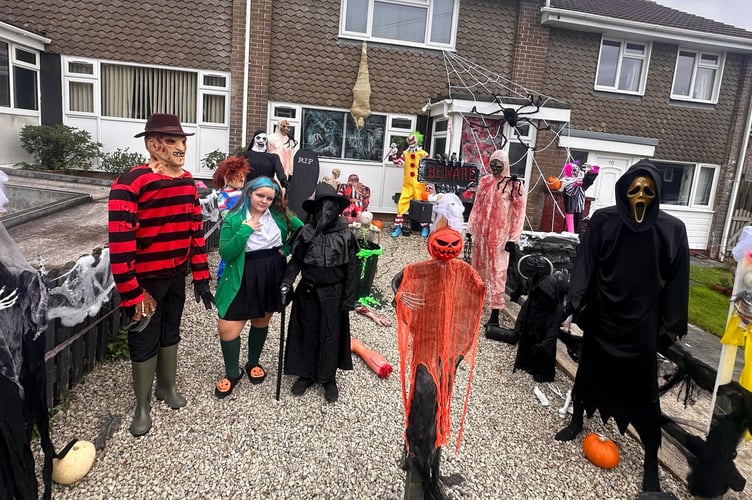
(697, 76)
(622, 66)
(19, 77)
(419, 23)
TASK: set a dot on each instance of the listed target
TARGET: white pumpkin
(75, 464)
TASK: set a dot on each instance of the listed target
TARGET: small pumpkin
(75, 464)
(600, 450)
(378, 223)
(554, 183)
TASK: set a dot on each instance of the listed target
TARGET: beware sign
(448, 172)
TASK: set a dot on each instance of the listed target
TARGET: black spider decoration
(513, 182)
(513, 117)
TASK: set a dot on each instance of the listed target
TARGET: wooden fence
(742, 214)
(72, 352)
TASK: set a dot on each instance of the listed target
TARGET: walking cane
(281, 343)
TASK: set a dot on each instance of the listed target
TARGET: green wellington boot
(167, 366)
(143, 377)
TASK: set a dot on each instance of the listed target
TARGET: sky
(734, 12)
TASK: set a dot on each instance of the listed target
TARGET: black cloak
(319, 329)
(629, 291)
(266, 164)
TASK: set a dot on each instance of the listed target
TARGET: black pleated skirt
(259, 290)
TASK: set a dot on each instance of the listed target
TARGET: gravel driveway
(251, 446)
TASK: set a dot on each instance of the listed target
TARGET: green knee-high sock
(230, 353)
(256, 340)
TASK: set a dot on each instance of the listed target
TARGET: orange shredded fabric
(435, 329)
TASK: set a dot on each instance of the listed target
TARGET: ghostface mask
(640, 194)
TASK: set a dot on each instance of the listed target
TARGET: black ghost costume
(629, 292)
(262, 162)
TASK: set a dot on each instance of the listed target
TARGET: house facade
(606, 82)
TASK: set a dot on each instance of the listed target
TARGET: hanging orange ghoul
(439, 308)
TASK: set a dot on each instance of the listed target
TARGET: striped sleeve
(122, 210)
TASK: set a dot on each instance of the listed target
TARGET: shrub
(59, 147)
(213, 159)
(121, 160)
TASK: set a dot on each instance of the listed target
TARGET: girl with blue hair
(254, 241)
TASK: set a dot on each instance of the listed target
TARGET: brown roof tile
(647, 11)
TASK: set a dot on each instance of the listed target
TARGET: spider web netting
(484, 132)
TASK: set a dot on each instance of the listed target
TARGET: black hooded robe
(629, 290)
(319, 329)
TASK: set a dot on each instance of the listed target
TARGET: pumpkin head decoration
(600, 450)
(445, 244)
(75, 464)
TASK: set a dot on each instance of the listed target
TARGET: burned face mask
(169, 150)
(640, 194)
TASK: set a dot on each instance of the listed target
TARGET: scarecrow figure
(629, 293)
(495, 223)
(439, 305)
(324, 253)
(411, 188)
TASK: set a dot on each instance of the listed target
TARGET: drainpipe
(737, 180)
(246, 53)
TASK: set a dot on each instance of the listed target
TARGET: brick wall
(531, 46)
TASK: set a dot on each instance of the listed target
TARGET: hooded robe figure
(497, 218)
(439, 306)
(628, 292)
(324, 253)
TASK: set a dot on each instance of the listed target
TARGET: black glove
(203, 292)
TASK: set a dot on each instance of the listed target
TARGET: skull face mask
(497, 167)
(259, 142)
(168, 150)
(640, 194)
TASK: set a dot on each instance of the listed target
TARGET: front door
(611, 168)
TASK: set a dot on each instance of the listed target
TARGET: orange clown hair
(230, 168)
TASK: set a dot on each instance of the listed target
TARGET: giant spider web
(484, 132)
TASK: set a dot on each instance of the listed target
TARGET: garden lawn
(708, 309)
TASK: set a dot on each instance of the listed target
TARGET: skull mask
(497, 167)
(168, 150)
(640, 194)
(259, 142)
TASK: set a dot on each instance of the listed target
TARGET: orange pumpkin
(554, 183)
(378, 223)
(600, 450)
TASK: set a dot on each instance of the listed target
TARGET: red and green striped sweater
(155, 230)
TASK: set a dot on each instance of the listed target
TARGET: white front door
(611, 168)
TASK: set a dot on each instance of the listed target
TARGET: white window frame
(645, 58)
(204, 89)
(14, 63)
(696, 167)
(427, 43)
(698, 64)
(276, 113)
(70, 76)
(439, 134)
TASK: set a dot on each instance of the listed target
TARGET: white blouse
(268, 236)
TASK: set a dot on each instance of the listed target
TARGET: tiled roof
(647, 11)
(165, 32)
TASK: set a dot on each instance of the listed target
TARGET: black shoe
(331, 393)
(301, 385)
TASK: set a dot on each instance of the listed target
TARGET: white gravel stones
(251, 446)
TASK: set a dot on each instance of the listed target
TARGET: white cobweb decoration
(484, 133)
(82, 290)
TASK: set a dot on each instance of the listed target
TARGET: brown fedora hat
(163, 123)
